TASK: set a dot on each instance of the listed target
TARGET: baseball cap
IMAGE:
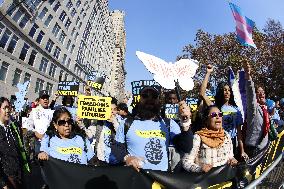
(270, 105)
(43, 94)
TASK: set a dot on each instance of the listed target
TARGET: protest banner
(138, 85)
(68, 88)
(20, 96)
(171, 111)
(96, 80)
(42, 119)
(94, 107)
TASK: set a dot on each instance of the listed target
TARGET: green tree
(224, 50)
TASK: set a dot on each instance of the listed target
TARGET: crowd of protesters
(143, 139)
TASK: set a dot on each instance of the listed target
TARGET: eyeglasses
(63, 122)
(214, 114)
(7, 109)
(148, 95)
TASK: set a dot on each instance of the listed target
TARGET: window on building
(68, 44)
(39, 85)
(76, 36)
(80, 25)
(1, 27)
(43, 13)
(72, 49)
(62, 37)
(68, 63)
(78, 3)
(69, 5)
(64, 59)
(49, 87)
(57, 52)
(24, 52)
(24, 21)
(82, 11)
(62, 16)
(78, 20)
(33, 30)
(12, 9)
(12, 44)
(5, 38)
(32, 4)
(17, 77)
(49, 45)
(43, 65)
(32, 58)
(3, 71)
(40, 37)
(18, 15)
(68, 23)
(73, 32)
(51, 2)
(56, 6)
(73, 12)
(60, 75)
(48, 20)
(27, 77)
(56, 30)
(84, 15)
(52, 70)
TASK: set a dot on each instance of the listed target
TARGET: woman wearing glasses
(212, 146)
(65, 140)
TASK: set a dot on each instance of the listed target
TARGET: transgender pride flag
(244, 26)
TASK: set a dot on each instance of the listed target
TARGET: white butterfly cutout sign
(167, 73)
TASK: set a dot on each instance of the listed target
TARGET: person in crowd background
(13, 160)
(65, 140)
(147, 136)
(232, 117)
(212, 145)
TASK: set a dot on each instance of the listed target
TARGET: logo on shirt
(151, 134)
(153, 151)
(70, 150)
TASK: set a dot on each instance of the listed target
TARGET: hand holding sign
(166, 73)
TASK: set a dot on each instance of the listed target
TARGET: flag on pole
(244, 26)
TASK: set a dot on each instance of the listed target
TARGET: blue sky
(163, 27)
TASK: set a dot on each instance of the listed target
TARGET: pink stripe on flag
(244, 36)
(242, 20)
(243, 28)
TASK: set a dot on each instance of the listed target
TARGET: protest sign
(192, 103)
(94, 107)
(27, 124)
(96, 80)
(137, 86)
(20, 96)
(171, 111)
(68, 88)
(42, 119)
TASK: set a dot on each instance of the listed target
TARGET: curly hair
(219, 97)
(75, 129)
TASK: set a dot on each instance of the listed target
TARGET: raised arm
(202, 92)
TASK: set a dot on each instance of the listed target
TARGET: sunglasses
(148, 95)
(214, 114)
(63, 122)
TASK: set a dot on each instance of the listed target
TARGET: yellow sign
(67, 93)
(95, 85)
(70, 150)
(94, 107)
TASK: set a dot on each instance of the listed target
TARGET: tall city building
(118, 70)
(47, 41)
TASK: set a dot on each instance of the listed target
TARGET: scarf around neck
(213, 139)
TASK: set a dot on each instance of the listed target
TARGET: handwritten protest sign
(42, 119)
(27, 124)
(94, 107)
(96, 80)
(192, 103)
(137, 86)
(171, 111)
(68, 88)
(20, 102)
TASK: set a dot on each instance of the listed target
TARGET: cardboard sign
(20, 102)
(27, 124)
(96, 80)
(137, 86)
(68, 88)
(94, 107)
(42, 119)
(171, 111)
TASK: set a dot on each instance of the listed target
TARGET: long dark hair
(75, 129)
(3, 99)
(64, 100)
(219, 97)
